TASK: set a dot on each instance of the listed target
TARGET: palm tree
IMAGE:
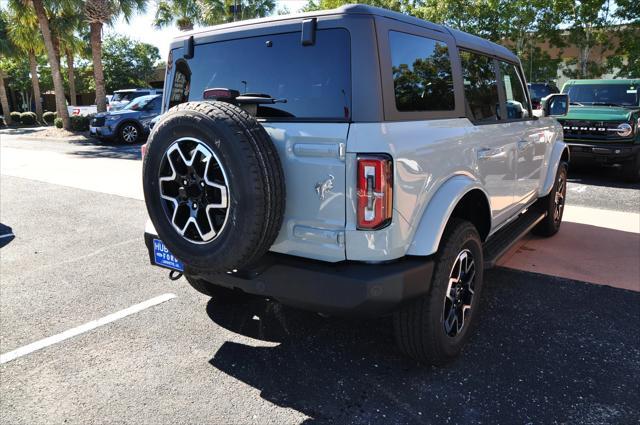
(6, 49)
(65, 24)
(98, 13)
(221, 11)
(58, 84)
(185, 14)
(24, 33)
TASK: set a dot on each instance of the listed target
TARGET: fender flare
(559, 150)
(435, 217)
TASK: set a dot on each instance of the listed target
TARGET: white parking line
(22, 351)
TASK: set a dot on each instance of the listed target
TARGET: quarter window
(517, 104)
(480, 87)
(421, 70)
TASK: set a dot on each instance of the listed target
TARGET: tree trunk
(56, 75)
(98, 74)
(4, 101)
(72, 79)
(35, 83)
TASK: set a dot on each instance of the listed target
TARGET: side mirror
(555, 105)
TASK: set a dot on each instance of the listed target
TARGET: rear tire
(426, 329)
(553, 204)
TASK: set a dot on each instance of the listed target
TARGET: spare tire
(213, 185)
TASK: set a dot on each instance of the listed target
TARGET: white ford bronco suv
(350, 161)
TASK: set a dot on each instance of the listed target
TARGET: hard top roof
(622, 81)
(463, 39)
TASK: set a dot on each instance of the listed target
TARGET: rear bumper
(607, 153)
(345, 288)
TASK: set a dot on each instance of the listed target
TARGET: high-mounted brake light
(220, 94)
(375, 191)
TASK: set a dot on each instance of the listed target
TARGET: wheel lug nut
(184, 182)
(195, 205)
(202, 184)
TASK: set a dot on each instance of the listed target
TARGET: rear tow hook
(175, 275)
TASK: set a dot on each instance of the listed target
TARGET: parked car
(354, 161)
(539, 91)
(121, 97)
(131, 123)
(603, 126)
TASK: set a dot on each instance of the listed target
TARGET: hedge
(48, 117)
(80, 122)
(15, 117)
(58, 122)
(28, 118)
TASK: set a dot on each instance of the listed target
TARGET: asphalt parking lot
(547, 349)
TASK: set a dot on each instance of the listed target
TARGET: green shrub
(58, 122)
(80, 123)
(15, 117)
(28, 118)
(48, 117)
(2, 123)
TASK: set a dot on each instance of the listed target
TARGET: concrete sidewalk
(593, 245)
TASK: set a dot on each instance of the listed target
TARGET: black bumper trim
(344, 288)
(602, 152)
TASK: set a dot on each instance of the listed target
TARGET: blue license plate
(165, 258)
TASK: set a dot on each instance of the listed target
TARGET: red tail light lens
(76, 112)
(375, 191)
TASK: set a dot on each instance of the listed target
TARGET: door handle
(488, 153)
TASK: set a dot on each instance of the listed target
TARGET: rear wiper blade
(258, 99)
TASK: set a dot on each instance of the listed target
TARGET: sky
(141, 28)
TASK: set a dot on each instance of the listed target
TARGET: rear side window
(310, 82)
(421, 70)
(480, 87)
(517, 104)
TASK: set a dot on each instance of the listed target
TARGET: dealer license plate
(164, 258)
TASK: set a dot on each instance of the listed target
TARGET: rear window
(313, 82)
(421, 68)
(539, 91)
(480, 87)
(128, 95)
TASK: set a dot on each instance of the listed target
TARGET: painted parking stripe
(38, 345)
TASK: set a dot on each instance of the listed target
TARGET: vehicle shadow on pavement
(546, 350)
(105, 149)
(598, 175)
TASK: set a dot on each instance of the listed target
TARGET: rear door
(495, 146)
(308, 122)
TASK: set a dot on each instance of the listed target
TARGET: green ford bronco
(602, 125)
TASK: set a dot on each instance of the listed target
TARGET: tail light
(143, 151)
(76, 111)
(375, 191)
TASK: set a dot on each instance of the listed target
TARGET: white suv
(351, 161)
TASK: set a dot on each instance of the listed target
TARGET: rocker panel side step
(505, 238)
